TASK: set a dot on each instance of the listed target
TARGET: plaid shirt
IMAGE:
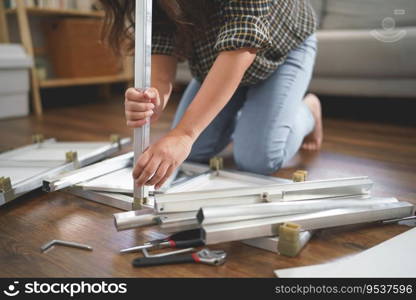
(273, 27)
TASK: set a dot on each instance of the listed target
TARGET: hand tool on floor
(65, 243)
(180, 240)
(204, 256)
(142, 69)
(181, 251)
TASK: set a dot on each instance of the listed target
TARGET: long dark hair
(183, 18)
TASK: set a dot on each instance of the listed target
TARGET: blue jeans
(267, 121)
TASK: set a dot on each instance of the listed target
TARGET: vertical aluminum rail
(142, 69)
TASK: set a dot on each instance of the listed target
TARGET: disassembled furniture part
(142, 70)
(147, 217)
(71, 156)
(5, 184)
(65, 243)
(300, 176)
(216, 164)
(138, 203)
(114, 176)
(292, 239)
(116, 139)
(308, 190)
(111, 188)
(118, 200)
(76, 176)
(355, 212)
(223, 214)
(183, 183)
(204, 256)
(6, 190)
(234, 212)
(242, 230)
(271, 243)
(264, 243)
(38, 138)
(201, 178)
(28, 166)
(114, 184)
(133, 219)
(180, 240)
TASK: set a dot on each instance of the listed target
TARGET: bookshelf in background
(86, 8)
(23, 9)
(85, 5)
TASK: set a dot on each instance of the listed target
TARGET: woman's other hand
(142, 105)
(159, 161)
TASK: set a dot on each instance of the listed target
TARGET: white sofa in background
(356, 56)
(366, 48)
(14, 81)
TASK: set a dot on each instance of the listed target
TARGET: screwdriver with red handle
(180, 240)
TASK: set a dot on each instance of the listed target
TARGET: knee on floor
(257, 162)
(203, 159)
(201, 156)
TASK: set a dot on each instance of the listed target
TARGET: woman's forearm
(216, 90)
(163, 75)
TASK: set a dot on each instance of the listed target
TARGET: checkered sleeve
(245, 25)
(163, 43)
(163, 35)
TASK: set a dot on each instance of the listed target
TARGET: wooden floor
(386, 153)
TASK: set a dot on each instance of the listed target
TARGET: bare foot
(313, 141)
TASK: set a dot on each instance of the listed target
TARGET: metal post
(224, 214)
(142, 69)
(295, 191)
(249, 229)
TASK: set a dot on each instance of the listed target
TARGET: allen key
(146, 253)
(65, 243)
